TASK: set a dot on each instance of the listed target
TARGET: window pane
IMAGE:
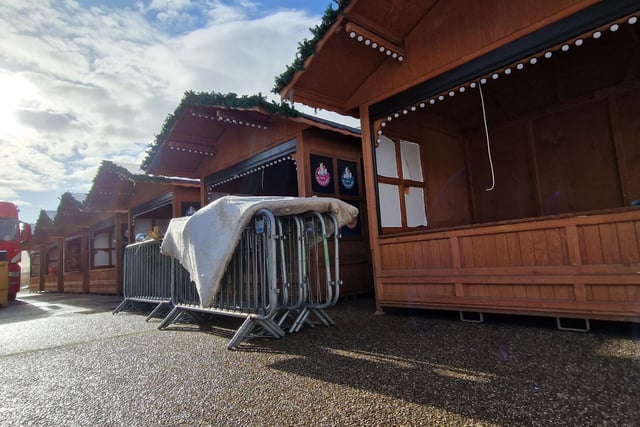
(411, 161)
(101, 239)
(386, 157)
(414, 203)
(390, 215)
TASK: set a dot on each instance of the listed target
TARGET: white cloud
(98, 83)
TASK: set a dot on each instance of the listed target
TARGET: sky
(83, 81)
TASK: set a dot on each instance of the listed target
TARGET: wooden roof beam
(241, 118)
(375, 41)
(192, 148)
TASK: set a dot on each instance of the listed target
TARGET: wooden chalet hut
(43, 255)
(248, 146)
(36, 279)
(123, 204)
(501, 143)
(72, 223)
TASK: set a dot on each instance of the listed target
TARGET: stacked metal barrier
(322, 288)
(278, 275)
(147, 277)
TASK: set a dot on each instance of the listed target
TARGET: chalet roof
(114, 185)
(372, 44)
(330, 67)
(192, 132)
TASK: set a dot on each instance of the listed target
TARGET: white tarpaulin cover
(204, 242)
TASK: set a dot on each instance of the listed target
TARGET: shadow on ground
(511, 370)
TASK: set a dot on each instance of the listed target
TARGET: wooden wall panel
(36, 280)
(613, 293)
(514, 193)
(576, 154)
(103, 281)
(418, 255)
(528, 247)
(627, 105)
(629, 241)
(582, 266)
(73, 282)
(34, 284)
(610, 243)
(445, 173)
(528, 291)
(411, 292)
(51, 282)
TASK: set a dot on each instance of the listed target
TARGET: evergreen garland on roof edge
(307, 47)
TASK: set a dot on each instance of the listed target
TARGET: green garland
(43, 228)
(307, 47)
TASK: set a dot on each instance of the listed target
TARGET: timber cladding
(51, 282)
(74, 282)
(35, 284)
(583, 266)
(103, 281)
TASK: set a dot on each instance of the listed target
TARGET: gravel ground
(66, 360)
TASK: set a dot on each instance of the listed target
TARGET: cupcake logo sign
(347, 178)
(323, 177)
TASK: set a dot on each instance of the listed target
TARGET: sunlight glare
(15, 93)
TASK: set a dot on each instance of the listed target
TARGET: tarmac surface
(66, 360)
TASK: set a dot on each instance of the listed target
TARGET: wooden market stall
(248, 146)
(36, 276)
(80, 247)
(500, 142)
(43, 232)
(52, 263)
(123, 204)
(71, 222)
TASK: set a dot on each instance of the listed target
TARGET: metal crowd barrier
(147, 277)
(278, 275)
(322, 289)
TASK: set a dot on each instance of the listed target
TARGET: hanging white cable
(486, 133)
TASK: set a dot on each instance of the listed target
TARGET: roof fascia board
(283, 149)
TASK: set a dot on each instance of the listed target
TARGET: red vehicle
(13, 233)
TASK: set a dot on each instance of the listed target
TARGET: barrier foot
(302, 317)
(241, 334)
(169, 318)
(324, 317)
(121, 306)
(156, 309)
(254, 328)
(271, 327)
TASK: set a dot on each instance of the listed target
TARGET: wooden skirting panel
(583, 266)
(103, 281)
(73, 282)
(51, 283)
(34, 284)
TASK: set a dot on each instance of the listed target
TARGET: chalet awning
(255, 164)
(195, 136)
